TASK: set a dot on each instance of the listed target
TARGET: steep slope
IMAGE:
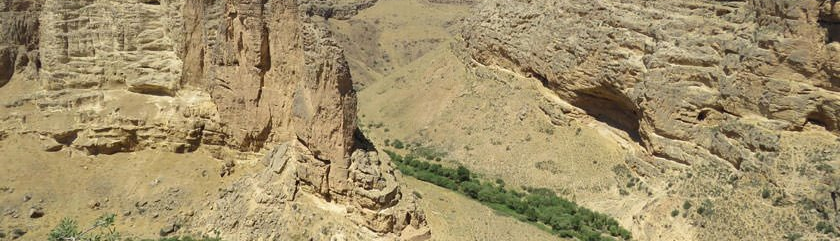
(743, 93)
(235, 78)
(686, 120)
(497, 124)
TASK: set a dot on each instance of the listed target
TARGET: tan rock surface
(236, 77)
(719, 86)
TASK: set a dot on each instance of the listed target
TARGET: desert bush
(397, 144)
(824, 227)
(706, 208)
(102, 230)
(687, 205)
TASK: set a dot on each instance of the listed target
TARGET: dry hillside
(269, 120)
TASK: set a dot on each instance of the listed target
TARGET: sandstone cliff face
(103, 77)
(692, 82)
(666, 72)
(18, 39)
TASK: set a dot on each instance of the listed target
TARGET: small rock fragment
(17, 233)
(227, 169)
(36, 212)
(169, 229)
(94, 204)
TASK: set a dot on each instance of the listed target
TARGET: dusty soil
(147, 190)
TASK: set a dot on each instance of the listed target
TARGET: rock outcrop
(366, 191)
(102, 77)
(19, 34)
(692, 82)
(666, 73)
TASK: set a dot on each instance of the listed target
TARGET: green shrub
(675, 213)
(706, 208)
(687, 205)
(428, 153)
(824, 227)
(824, 167)
(68, 229)
(398, 144)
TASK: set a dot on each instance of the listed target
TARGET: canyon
(266, 120)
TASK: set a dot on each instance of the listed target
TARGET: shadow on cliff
(612, 108)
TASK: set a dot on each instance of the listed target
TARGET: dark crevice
(821, 119)
(611, 108)
(604, 103)
(265, 62)
(815, 122)
(152, 2)
(151, 90)
(702, 115)
(832, 31)
(539, 77)
(66, 138)
(256, 142)
(361, 141)
(7, 66)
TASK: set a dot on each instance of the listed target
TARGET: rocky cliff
(750, 87)
(238, 77)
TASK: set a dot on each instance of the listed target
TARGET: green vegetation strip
(538, 206)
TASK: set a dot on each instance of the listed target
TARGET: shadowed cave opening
(703, 115)
(821, 119)
(7, 67)
(832, 31)
(612, 108)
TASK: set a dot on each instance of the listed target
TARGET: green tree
(463, 174)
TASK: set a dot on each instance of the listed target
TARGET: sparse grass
(706, 208)
(826, 228)
(623, 192)
(824, 167)
(793, 236)
(103, 230)
(428, 153)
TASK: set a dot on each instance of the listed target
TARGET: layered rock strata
(726, 92)
(102, 77)
(721, 75)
